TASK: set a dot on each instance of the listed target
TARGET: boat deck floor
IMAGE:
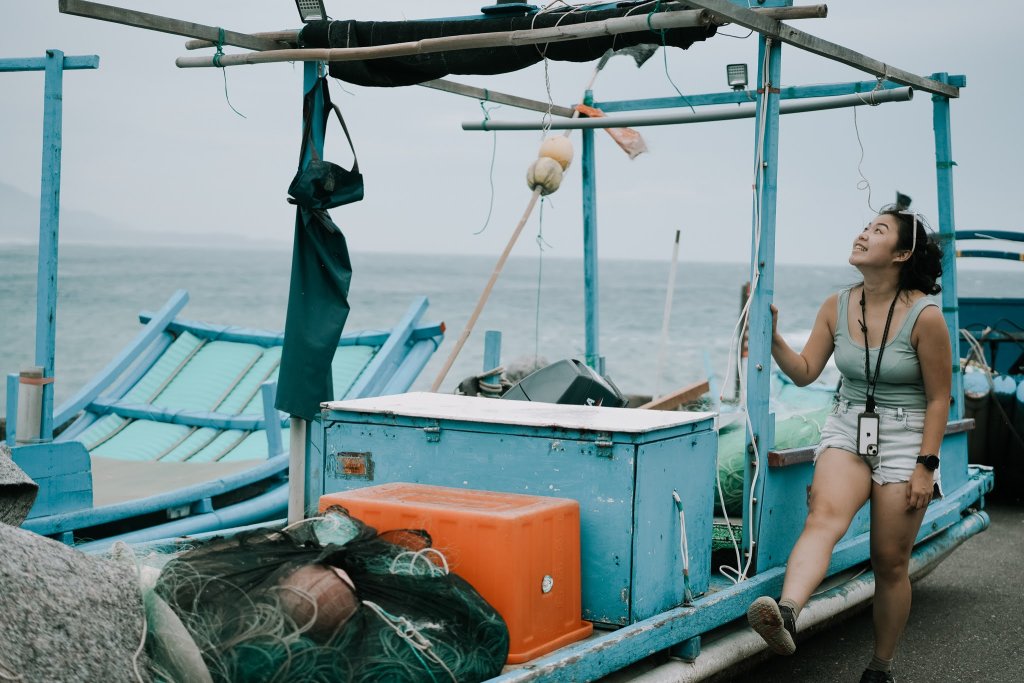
(119, 481)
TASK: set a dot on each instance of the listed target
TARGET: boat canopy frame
(772, 34)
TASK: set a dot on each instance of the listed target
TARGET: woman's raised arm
(806, 366)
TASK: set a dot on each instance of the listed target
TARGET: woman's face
(876, 244)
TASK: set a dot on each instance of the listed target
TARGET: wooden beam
(554, 34)
(773, 28)
(289, 38)
(153, 22)
(689, 393)
(499, 97)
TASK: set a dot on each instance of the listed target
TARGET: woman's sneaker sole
(764, 617)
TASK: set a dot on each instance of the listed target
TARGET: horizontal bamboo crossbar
(554, 34)
(291, 36)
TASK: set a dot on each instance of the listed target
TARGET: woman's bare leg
(841, 485)
(893, 530)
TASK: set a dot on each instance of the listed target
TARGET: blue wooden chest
(622, 465)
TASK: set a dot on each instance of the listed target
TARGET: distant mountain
(19, 223)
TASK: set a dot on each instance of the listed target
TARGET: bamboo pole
(554, 34)
(291, 36)
(154, 22)
(486, 293)
(726, 113)
(666, 315)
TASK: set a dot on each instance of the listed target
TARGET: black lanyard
(870, 404)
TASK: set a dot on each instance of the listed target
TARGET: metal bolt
(546, 584)
(759, 367)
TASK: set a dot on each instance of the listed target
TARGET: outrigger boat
(643, 480)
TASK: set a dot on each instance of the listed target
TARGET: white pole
(297, 470)
(663, 344)
(30, 405)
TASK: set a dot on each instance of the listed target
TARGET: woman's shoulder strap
(915, 312)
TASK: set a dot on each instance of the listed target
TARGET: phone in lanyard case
(867, 433)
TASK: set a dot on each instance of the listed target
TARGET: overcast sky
(157, 148)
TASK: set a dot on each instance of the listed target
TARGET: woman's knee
(826, 521)
(890, 564)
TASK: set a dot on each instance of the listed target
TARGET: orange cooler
(521, 553)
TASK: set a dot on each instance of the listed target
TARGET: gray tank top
(899, 380)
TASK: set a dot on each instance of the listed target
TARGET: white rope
(407, 632)
(421, 555)
(741, 327)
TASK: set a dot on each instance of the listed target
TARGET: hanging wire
(494, 154)
(541, 244)
(864, 183)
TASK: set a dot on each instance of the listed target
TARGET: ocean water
(537, 305)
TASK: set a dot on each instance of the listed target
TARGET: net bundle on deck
(330, 599)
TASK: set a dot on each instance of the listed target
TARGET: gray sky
(157, 148)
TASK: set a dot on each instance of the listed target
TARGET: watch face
(931, 462)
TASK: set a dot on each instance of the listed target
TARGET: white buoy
(544, 173)
(558, 148)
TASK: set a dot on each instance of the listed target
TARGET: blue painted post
(763, 273)
(49, 217)
(492, 356)
(12, 408)
(272, 419)
(590, 279)
(947, 226)
(298, 438)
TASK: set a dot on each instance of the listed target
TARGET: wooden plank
(554, 34)
(154, 22)
(689, 393)
(773, 28)
(499, 97)
(289, 38)
(795, 456)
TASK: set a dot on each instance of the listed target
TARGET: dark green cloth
(318, 295)
(317, 311)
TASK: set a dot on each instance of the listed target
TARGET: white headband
(913, 245)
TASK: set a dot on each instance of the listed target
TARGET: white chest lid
(525, 413)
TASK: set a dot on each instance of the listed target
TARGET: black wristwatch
(930, 462)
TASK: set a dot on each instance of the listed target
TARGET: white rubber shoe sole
(764, 617)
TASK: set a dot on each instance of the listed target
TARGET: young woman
(881, 442)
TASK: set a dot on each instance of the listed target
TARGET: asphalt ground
(966, 622)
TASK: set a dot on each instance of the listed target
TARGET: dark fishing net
(269, 605)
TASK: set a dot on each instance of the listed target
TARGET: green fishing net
(795, 431)
(268, 605)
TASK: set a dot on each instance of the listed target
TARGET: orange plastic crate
(521, 553)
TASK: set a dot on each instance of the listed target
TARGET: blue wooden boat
(178, 434)
(644, 480)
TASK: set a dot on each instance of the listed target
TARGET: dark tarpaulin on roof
(398, 71)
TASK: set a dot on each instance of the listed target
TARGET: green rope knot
(220, 48)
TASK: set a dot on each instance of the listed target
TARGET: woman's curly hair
(923, 269)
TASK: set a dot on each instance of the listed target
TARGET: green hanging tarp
(318, 294)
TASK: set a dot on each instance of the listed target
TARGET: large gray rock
(68, 616)
(17, 491)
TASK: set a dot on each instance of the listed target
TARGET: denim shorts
(899, 441)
